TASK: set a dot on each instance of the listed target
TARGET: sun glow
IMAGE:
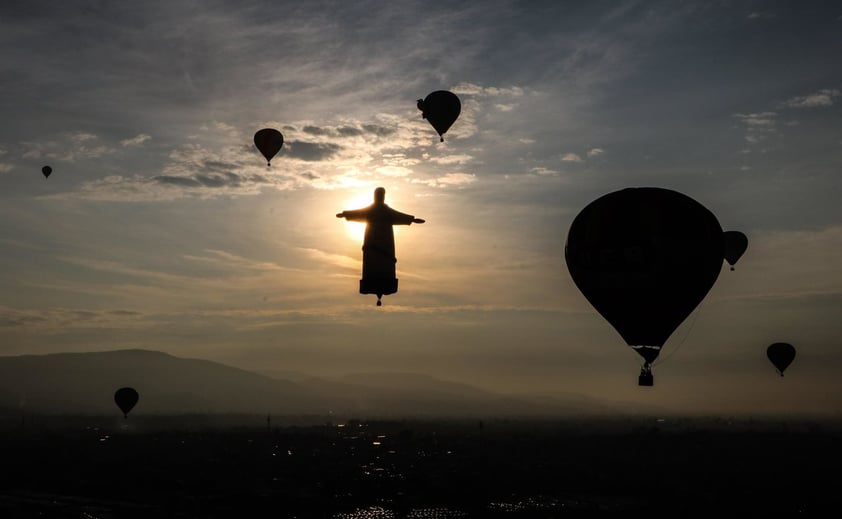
(356, 230)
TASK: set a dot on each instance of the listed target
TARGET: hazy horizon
(161, 227)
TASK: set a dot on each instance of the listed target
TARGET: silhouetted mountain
(73, 383)
(414, 382)
(85, 383)
(284, 374)
(414, 394)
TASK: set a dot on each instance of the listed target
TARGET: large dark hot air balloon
(644, 258)
(46, 170)
(126, 398)
(781, 354)
(440, 108)
(736, 244)
(269, 141)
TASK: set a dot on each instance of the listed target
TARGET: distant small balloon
(736, 244)
(441, 108)
(781, 354)
(269, 141)
(126, 398)
(46, 170)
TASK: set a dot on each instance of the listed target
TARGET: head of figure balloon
(380, 195)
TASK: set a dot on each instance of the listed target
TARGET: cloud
(477, 90)
(349, 131)
(160, 188)
(762, 119)
(167, 188)
(137, 140)
(226, 128)
(176, 181)
(5, 168)
(61, 319)
(394, 171)
(345, 131)
(311, 151)
(70, 147)
(337, 260)
(80, 137)
(211, 180)
(376, 129)
(457, 179)
(238, 263)
(571, 157)
(114, 267)
(343, 154)
(822, 98)
(757, 124)
(398, 159)
(315, 130)
(593, 152)
(451, 159)
(542, 171)
(449, 180)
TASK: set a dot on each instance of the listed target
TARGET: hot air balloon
(440, 108)
(736, 244)
(269, 142)
(46, 170)
(379, 244)
(781, 354)
(644, 258)
(126, 398)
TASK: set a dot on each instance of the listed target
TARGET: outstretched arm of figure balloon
(418, 220)
(356, 215)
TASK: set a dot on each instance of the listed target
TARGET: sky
(161, 227)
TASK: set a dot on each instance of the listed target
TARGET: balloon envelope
(781, 354)
(644, 258)
(126, 398)
(440, 108)
(269, 141)
(46, 170)
(736, 244)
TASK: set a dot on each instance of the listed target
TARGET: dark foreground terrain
(193, 468)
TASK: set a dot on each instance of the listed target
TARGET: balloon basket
(378, 286)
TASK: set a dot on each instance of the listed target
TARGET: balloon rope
(689, 329)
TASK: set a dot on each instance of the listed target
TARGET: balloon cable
(689, 329)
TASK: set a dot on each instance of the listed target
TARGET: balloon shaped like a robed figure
(379, 244)
(46, 170)
(644, 258)
(781, 354)
(126, 398)
(269, 141)
(735, 244)
(440, 108)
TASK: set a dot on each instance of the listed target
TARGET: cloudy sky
(162, 228)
